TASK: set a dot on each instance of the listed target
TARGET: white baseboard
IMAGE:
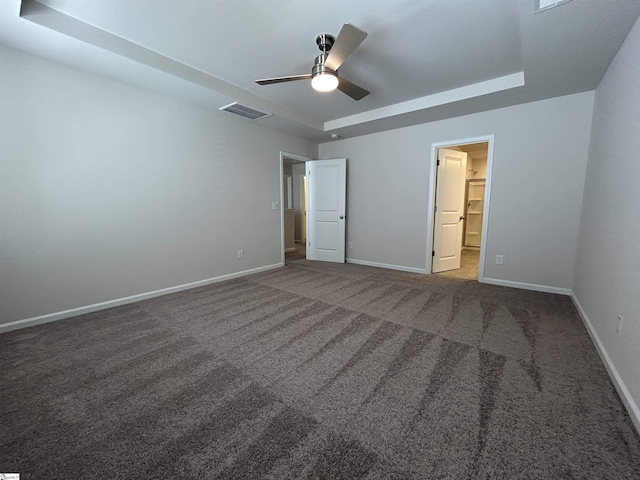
(51, 317)
(527, 286)
(386, 265)
(627, 400)
(288, 250)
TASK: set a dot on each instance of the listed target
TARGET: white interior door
(327, 193)
(303, 202)
(451, 173)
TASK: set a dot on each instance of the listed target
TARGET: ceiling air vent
(542, 5)
(244, 111)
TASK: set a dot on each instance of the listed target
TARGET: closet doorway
(294, 204)
(459, 207)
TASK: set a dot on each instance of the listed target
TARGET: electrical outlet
(499, 259)
(240, 253)
(350, 244)
(274, 205)
(619, 324)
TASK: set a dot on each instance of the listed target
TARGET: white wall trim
(527, 286)
(474, 90)
(51, 317)
(484, 237)
(385, 265)
(630, 405)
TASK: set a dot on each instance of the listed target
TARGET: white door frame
(487, 196)
(299, 158)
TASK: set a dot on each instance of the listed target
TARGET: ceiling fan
(324, 74)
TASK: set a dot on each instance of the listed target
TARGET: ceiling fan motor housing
(319, 68)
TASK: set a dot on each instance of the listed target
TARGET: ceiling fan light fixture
(324, 74)
(324, 82)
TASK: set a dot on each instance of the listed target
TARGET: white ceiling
(422, 61)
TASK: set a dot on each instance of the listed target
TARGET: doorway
(294, 206)
(459, 207)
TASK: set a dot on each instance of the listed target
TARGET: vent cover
(542, 5)
(244, 111)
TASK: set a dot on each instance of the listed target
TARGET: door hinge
(435, 209)
(438, 164)
(433, 253)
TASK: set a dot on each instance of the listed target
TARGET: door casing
(490, 139)
(299, 158)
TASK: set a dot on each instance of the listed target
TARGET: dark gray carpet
(316, 371)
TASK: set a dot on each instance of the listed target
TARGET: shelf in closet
(474, 196)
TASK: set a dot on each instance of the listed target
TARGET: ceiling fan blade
(269, 81)
(351, 89)
(348, 40)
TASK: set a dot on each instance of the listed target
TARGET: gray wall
(109, 191)
(607, 274)
(538, 177)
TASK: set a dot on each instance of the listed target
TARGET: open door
(447, 229)
(303, 213)
(327, 193)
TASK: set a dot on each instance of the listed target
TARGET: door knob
(341, 217)
(461, 218)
